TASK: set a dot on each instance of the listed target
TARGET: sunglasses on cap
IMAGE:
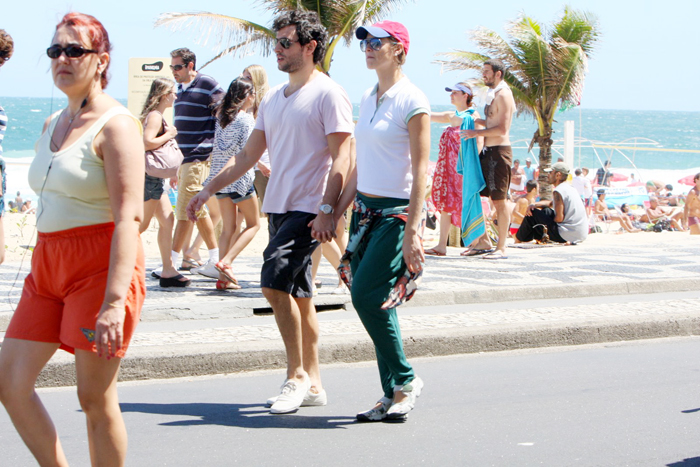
(374, 43)
(71, 51)
(177, 67)
(285, 43)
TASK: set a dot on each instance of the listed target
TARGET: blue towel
(468, 165)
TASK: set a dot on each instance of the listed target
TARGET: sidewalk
(199, 330)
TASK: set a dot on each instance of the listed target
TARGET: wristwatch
(326, 208)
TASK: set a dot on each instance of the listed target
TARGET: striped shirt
(194, 119)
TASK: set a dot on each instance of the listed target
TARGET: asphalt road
(631, 404)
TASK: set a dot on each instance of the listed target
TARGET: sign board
(142, 72)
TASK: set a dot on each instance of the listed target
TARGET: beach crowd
(293, 154)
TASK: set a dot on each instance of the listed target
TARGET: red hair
(95, 31)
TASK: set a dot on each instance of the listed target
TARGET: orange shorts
(63, 293)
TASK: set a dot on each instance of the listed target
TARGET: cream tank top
(71, 183)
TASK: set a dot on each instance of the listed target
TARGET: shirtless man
(496, 157)
(517, 177)
(691, 211)
(521, 204)
(657, 212)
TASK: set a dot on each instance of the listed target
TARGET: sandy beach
(20, 237)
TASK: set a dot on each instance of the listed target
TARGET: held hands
(323, 227)
(173, 182)
(413, 252)
(109, 330)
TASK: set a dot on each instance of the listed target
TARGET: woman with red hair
(87, 285)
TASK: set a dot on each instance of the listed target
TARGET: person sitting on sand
(27, 207)
(561, 220)
(691, 211)
(626, 219)
(656, 212)
(601, 209)
(667, 198)
(521, 204)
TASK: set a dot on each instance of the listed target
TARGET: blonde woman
(257, 74)
(87, 284)
(384, 257)
(156, 133)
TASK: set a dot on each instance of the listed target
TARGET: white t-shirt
(383, 146)
(578, 182)
(295, 130)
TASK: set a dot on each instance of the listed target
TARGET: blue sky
(646, 59)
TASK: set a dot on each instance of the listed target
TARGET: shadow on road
(692, 462)
(237, 415)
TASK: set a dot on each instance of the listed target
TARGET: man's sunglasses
(71, 51)
(177, 67)
(285, 43)
(374, 43)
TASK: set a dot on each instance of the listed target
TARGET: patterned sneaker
(375, 414)
(291, 397)
(399, 412)
(311, 399)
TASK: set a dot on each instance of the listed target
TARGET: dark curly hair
(231, 104)
(309, 28)
(7, 46)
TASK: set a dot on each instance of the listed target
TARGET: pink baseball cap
(386, 29)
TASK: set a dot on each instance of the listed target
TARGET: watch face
(326, 208)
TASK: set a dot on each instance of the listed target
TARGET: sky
(646, 59)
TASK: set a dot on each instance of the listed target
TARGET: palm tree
(545, 69)
(340, 17)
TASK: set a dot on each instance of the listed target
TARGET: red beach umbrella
(687, 180)
(619, 177)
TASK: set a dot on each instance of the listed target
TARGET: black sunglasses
(285, 43)
(374, 43)
(71, 51)
(177, 67)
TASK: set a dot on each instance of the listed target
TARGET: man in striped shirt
(197, 95)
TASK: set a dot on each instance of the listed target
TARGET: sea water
(674, 132)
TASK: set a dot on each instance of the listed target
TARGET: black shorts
(287, 258)
(495, 165)
(153, 188)
(235, 197)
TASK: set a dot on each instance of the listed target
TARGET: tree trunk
(545, 144)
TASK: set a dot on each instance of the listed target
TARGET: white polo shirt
(383, 146)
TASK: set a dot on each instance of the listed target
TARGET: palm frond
(578, 27)
(222, 30)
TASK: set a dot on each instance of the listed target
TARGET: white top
(71, 183)
(295, 130)
(227, 143)
(383, 146)
(574, 227)
(578, 183)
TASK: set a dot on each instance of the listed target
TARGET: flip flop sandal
(476, 252)
(224, 285)
(434, 252)
(227, 271)
(175, 281)
(191, 264)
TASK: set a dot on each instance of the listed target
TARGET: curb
(231, 358)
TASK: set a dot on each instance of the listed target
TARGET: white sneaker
(340, 290)
(311, 399)
(207, 269)
(291, 397)
(399, 412)
(375, 414)
(157, 272)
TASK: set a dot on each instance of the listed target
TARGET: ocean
(670, 133)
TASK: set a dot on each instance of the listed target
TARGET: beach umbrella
(637, 183)
(687, 180)
(619, 177)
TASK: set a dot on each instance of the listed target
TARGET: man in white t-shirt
(306, 125)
